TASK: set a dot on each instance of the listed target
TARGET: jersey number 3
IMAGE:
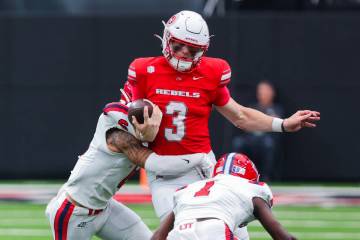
(178, 111)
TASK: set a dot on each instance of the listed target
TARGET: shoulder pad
(267, 194)
(219, 69)
(116, 107)
(138, 67)
(119, 113)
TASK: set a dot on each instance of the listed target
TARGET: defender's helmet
(237, 164)
(189, 29)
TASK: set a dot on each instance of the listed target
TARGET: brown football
(136, 109)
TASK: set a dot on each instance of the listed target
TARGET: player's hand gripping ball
(136, 109)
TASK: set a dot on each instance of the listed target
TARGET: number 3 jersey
(186, 100)
(225, 197)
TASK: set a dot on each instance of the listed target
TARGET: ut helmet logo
(237, 169)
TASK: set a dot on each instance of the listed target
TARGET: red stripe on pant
(228, 234)
(62, 218)
(56, 221)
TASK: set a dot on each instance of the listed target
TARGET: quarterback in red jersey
(185, 98)
(186, 85)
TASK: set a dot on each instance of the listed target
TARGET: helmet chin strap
(180, 65)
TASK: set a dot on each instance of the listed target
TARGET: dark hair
(266, 81)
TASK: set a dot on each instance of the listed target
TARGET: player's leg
(184, 230)
(68, 221)
(122, 224)
(163, 189)
(213, 229)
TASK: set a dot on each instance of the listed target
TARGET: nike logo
(197, 78)
(82, 225)
(186, 160)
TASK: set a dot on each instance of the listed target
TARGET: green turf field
(27, 221)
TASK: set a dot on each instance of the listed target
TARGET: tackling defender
(84, 206)
(186, 85)
(214, 208)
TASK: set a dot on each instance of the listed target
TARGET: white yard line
(25, 232)
(315, 224)
(317, 215)
(24, 221)
(322, 235)
(253, 234)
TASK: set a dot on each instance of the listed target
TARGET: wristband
(282, 126)
(277, 125)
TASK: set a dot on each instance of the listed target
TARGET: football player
(186, 85)
(84, 206)
(214, 208)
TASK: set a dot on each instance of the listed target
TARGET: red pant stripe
(228, 234)
(56, 220)
(62, 218)
(66, 220)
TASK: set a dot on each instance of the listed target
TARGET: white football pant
(205, 230)
(115, 222)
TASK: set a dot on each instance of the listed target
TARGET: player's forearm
(165, 227)
(138, 155)
(173, 164)
(123, 142)
(251, 119)
(263, 213)
(248, 119)
(149, 134)
(277, 232)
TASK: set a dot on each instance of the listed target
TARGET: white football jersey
(99, 172)
(226, 197)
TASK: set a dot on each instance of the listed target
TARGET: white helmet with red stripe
(185, 29)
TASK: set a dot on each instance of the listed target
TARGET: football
(136, 108)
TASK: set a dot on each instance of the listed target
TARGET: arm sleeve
(222, 96)
(126, 93)
(135, 81)
(225, 71)
(173, 165)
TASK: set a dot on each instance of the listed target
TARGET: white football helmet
(189, 29)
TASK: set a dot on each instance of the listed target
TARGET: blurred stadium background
(61, 61)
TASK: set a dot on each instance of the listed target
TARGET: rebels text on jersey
(186, 100)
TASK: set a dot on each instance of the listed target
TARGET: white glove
(205, 167)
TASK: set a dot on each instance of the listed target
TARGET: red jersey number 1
(205, 190)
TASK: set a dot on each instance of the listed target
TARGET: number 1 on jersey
(205, 190)
(178, 110)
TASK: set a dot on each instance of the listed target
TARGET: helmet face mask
(238, 165)
(191, 51)
(189, 30)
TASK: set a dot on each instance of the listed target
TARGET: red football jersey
(185, 99)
